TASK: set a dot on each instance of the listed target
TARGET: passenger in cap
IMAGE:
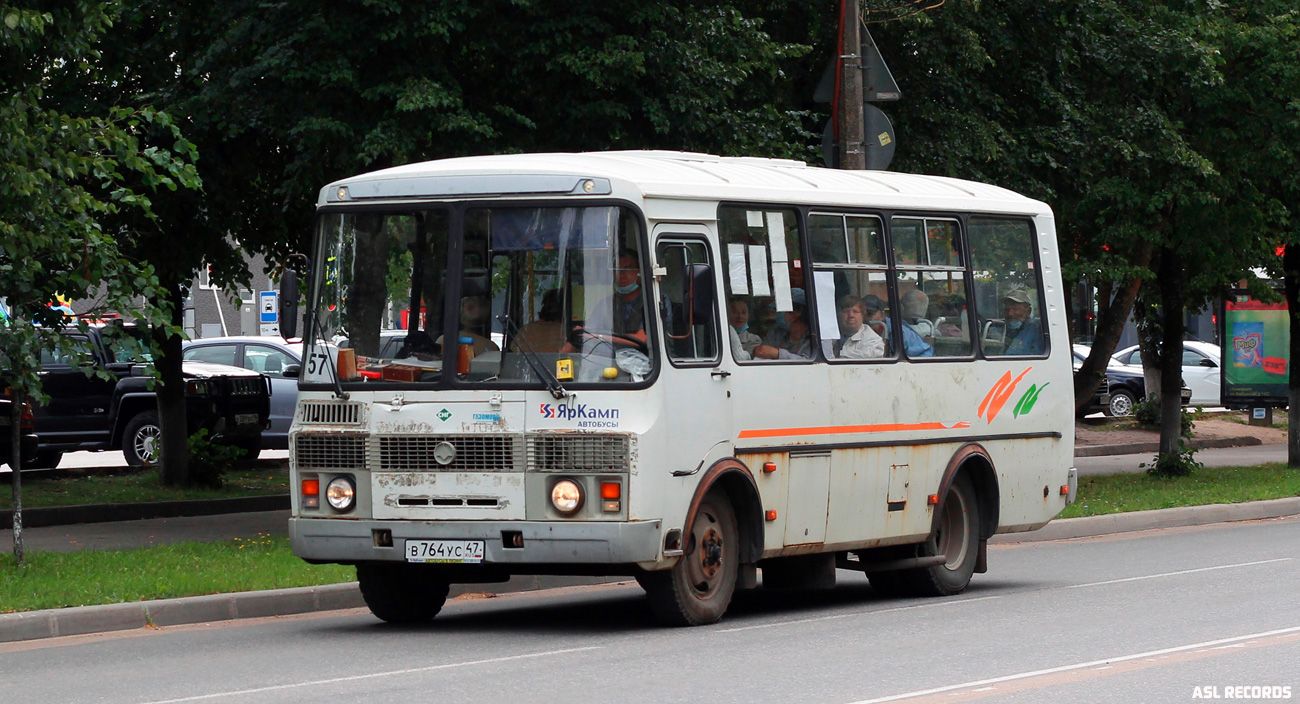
(1025, 333)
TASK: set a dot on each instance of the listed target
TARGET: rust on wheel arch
(975, 460)
(734, 478)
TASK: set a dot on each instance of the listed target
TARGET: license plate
(245, 419)
(445, 551)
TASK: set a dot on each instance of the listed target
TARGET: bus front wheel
(698, 589)
(402, 593)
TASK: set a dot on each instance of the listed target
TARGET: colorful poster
(1256, 368)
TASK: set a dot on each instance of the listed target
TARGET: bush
(1147, 413)
(209, 459)
(1179, 464)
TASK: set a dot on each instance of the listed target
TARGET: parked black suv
(86, 412)
(26, 437)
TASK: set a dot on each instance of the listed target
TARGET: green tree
(283, 98)
(64, 178)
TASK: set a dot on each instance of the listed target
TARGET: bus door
(697, 383)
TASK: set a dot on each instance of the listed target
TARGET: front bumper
(544, 542)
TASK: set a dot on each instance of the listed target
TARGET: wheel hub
(711, 552)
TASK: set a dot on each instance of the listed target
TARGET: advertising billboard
(1256, 346)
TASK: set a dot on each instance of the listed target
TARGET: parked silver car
(279, 360)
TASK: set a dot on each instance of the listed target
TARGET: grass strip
(1118, 493)
(78, 488)
(50, 580)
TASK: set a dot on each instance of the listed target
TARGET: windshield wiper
(530, 356)
(334, 375)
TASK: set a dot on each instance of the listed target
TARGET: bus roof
(675, 175)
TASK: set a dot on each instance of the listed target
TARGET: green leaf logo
(1026, 403)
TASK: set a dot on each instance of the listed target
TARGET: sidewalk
(252, 522)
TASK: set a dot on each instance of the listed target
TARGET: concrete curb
(83, 620)
(1092, 526)
(53, 623)
(1134, 448)
(104, 513)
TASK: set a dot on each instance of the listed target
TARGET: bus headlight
(341, 493)
(566, 497)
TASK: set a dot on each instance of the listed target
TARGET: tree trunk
(172, 420)
(1147, 322)
(1291, 277)
(1171, 351)
(16, 461)
(1112, 314)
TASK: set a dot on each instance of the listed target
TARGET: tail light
(27, 419)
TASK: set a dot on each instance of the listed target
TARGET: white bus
(683, 368)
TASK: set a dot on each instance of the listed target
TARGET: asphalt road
(1139, 617)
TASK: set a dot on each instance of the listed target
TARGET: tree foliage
(65, 177)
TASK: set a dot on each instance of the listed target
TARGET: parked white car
(1202, 365)
(279, 360)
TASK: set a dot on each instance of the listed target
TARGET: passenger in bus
(738, 316)
(546, 334)
(474, 313)
(1024, 334)
(623, 313)
(857, 341)
(914, 303)
(876, 318)
(790, 339)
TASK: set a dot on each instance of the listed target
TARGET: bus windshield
(514, 296)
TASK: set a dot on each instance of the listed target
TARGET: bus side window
(766, 291)
(849, 260)
(690, 330)
(1008, 295)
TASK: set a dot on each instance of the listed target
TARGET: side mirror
(700, 298)
(289, 304)
(1207, 362)
(292, 371)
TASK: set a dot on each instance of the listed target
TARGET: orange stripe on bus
(843, 429)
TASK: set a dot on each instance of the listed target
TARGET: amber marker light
(311, 493)
(932, 499)
(611, 490)
(770, 515)
(1065, 490)
(769, 467)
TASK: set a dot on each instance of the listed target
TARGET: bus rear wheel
(698, 589)
(957, 537)
(402, 593)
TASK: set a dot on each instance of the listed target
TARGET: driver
(623, 313)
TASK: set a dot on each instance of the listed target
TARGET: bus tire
(698, 589)
(142, 440)
(402, 593)
(957, 536)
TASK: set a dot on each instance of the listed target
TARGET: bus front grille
(329, 413)
(318, 451)
(578, 452)
(473, 453)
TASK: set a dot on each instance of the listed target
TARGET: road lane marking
(1150, 655)
(1174, 574)
(372, 675)
(796, 622)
